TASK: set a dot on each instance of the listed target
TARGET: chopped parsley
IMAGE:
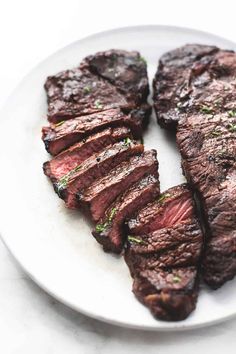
(87, 89)
(62, 183)
(206, 109)
(98, 104)
(135, 240)
(232, 113)
(176, 279)
(163, 197)
(215, 132)
(101, 227)
(60, 123)
(232, 128)
(143, 60)
(127, 141)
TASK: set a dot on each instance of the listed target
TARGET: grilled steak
(171, 295)
(172, 206)
(103, 81)
(94, 167)
(61, 136)
(127, 71)
(76, 154)
(163, 254)
(205, 106)
(99, 195)
(110, 230)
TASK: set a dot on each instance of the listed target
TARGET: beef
(127, 71)
(163, 253)
(99, 195)
(78, 153)
(62, 135)
(103, 81)
(94, 167)
(110, 231)
(172, 82)
(168, 208)
(78, 92)
(171, 295)
(205, 105)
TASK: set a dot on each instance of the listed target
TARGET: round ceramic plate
(53, 244)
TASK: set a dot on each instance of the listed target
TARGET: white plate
(54, 245)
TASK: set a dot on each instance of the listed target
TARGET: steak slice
(168, 208)
(205, 107)
(61, 136)
(78, 92)
(127, 71)
(163, 255)
(99, 195)
(110, 230)
(94, 167)
(76, 154)
(171, 295)
(103, 81)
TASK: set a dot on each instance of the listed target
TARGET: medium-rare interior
(195, 86)
(110, 231)
(96, 166)
(100, 194)
(163, 254)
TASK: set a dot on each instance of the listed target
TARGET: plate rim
(174, 326)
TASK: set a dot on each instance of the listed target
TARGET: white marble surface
(30, 320)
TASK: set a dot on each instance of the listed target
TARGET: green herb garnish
(232, 113)
(98, 104)
(135, 240)
(206, 109)
(62, 183)
(143, 60)
(60, 123)
(87, 89)
(101, 227)
(176, 279)
(163, 197)
(232, 128)
(127, 141)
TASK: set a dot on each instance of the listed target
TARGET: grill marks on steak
(103, 81)
(163, 253)
(97, 197)
(61, 136)
(110, 230)
(127, 71)
(215, 183)
(171, 295)
(94, 167)
(78, 153)
(205, 106)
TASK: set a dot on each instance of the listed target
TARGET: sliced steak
(168, 208)
(78, 92)
(205, 107)
(127, 71)
(78, 153)
(94, 167)
(171, 295)
(99, 195)
(110, 230)
(163, 255)
(103, 81)
(61, 136)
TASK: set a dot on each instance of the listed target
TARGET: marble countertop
(32, 322)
